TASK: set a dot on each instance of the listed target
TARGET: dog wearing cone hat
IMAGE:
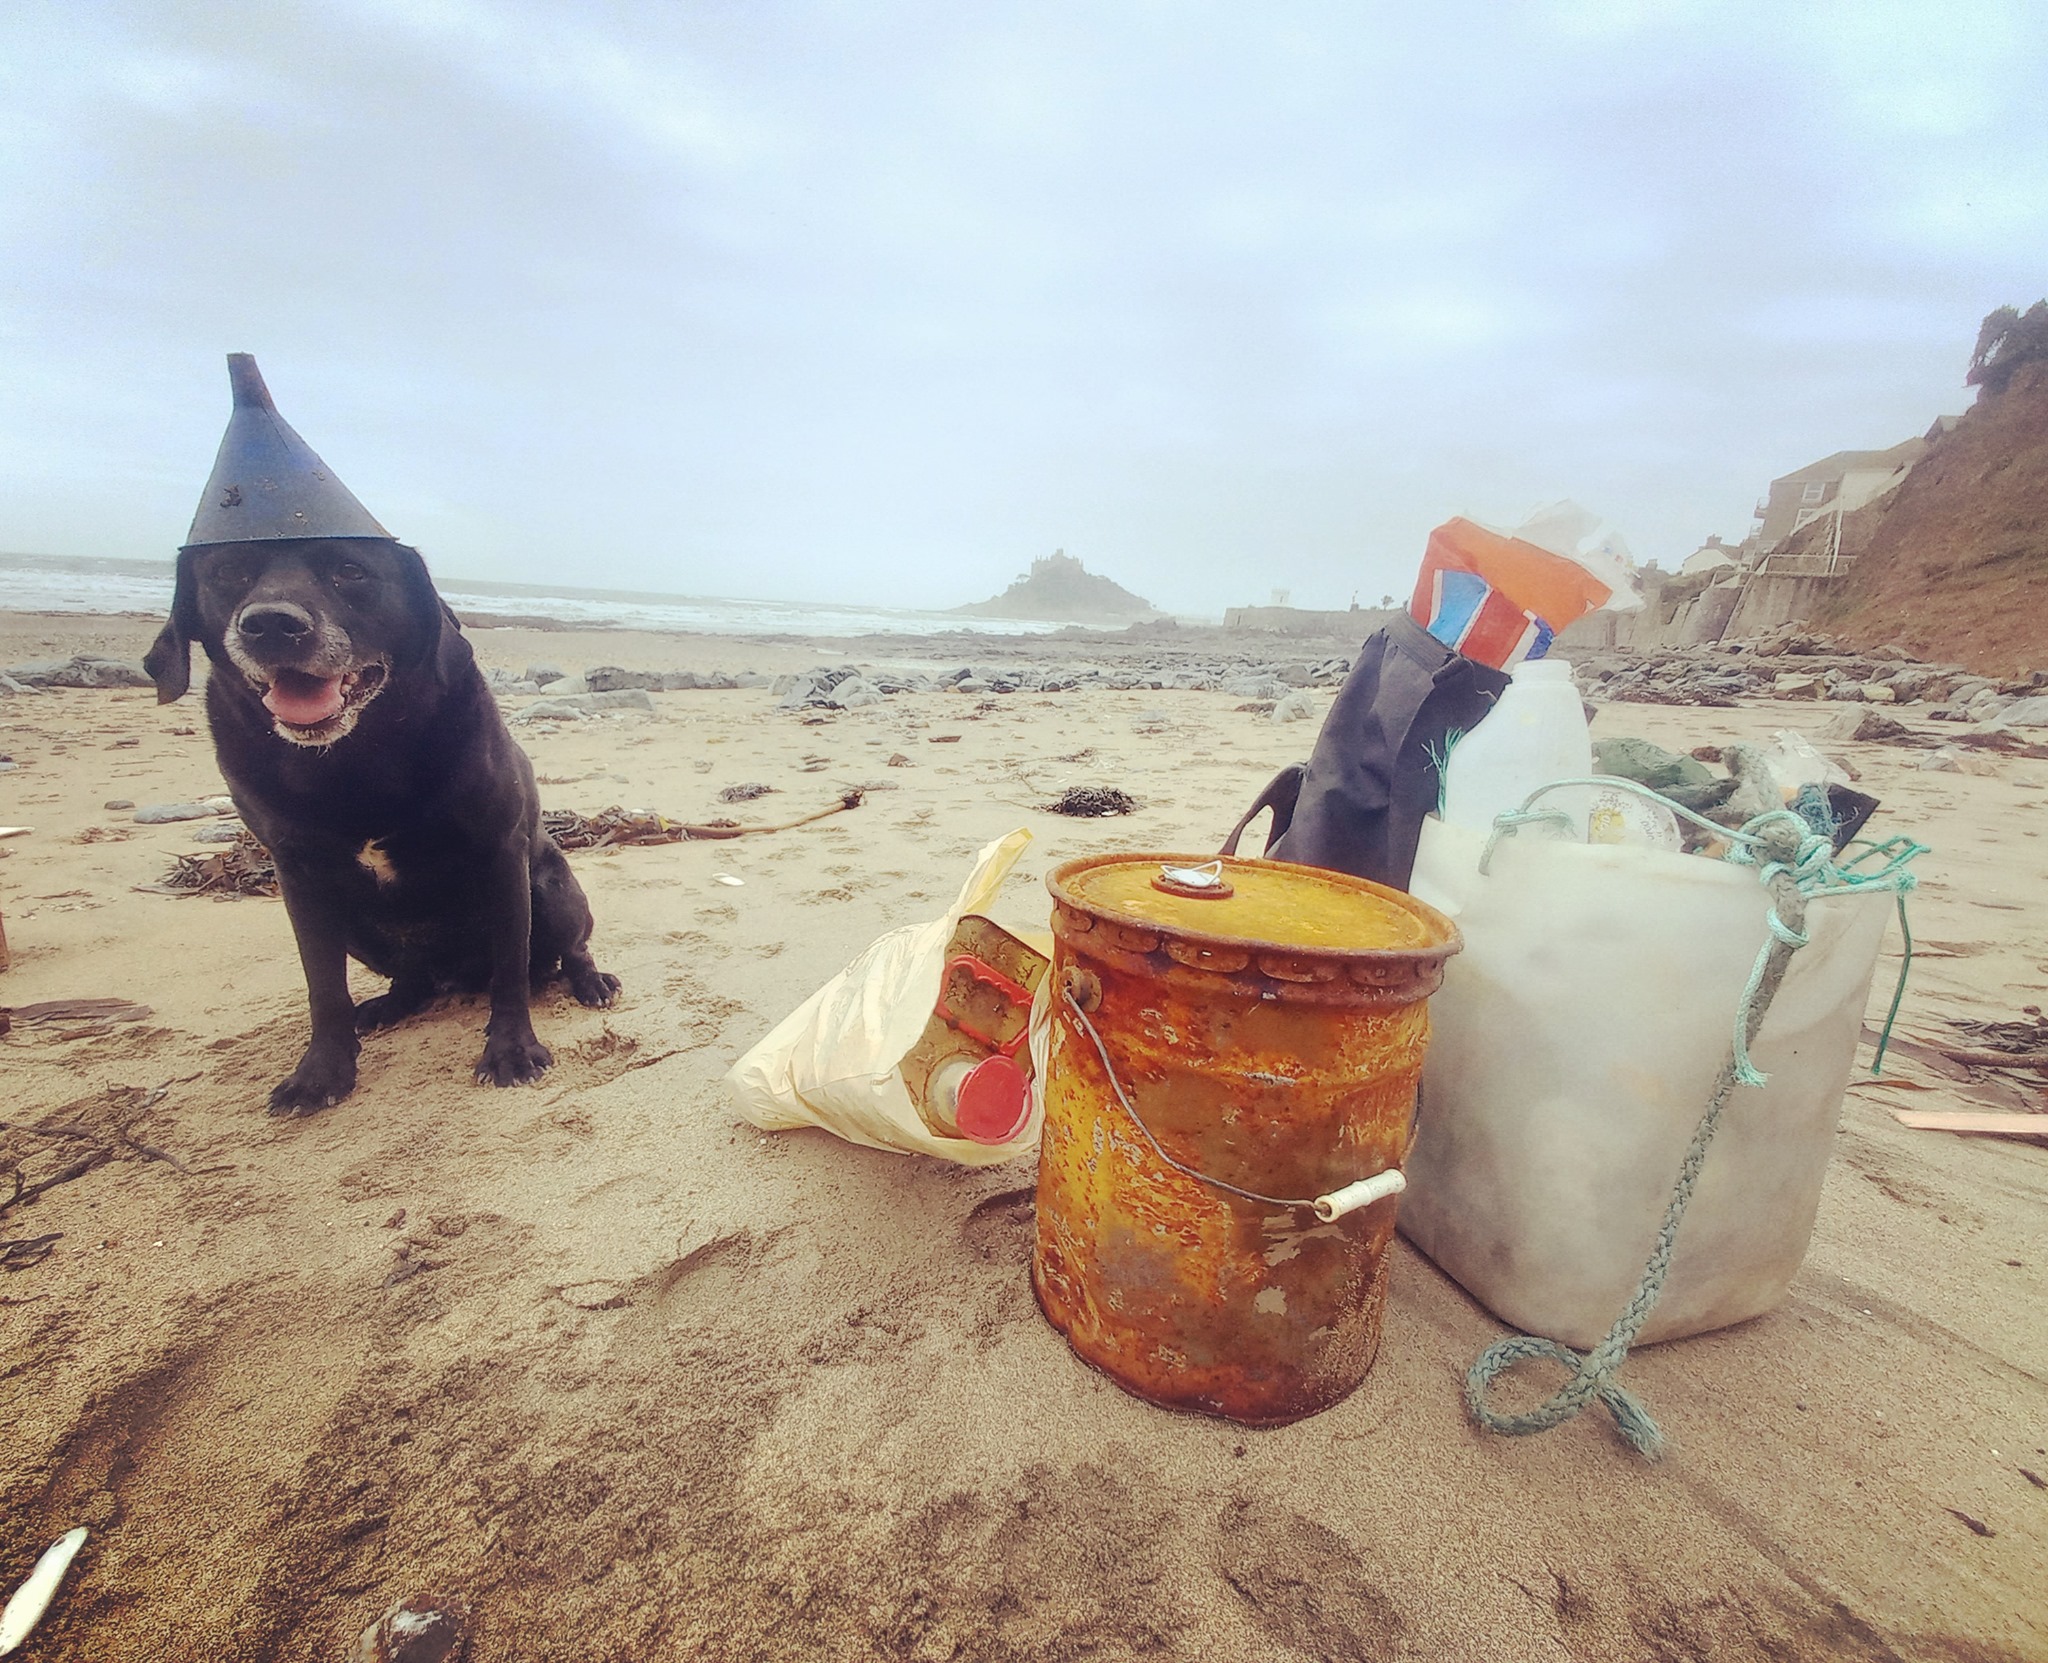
(362, 745)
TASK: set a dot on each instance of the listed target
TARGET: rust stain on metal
(1289, 1071)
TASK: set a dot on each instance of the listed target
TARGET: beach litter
(1989, 1123)
(1272, 1023)
(969, 1072)
(857, 1057)
(25, 1609)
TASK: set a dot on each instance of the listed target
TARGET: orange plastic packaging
(1547, 585)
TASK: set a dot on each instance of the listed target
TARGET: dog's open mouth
(319, 708)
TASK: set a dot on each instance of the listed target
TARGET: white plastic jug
(1574, 1044)
(1535, 734)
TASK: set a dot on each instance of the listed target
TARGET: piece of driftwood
(1995, 1059)
(1967, 1120)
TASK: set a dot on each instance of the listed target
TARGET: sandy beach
(638, 1382)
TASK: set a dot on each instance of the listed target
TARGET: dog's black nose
(275, 621)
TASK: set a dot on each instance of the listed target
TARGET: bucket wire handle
(1328, 1208)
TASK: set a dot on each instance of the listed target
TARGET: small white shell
(18, 1621)
(729, 879)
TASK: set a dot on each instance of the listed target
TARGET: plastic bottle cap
(994, 1101)
(1542, 669)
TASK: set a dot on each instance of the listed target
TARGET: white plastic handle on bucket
(1364, 1193)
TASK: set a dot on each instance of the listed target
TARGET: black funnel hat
(267, 483)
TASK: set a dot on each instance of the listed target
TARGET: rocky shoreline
(1789, 664)
(1794, 664)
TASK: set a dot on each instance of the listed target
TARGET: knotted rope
(1796, 864)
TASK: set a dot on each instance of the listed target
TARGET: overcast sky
(874, 302)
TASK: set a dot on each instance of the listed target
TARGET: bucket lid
(1256, 903)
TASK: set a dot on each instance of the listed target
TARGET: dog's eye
(349, 572)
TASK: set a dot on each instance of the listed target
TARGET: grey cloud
(873, 303)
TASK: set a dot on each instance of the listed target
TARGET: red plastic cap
(994, 1101)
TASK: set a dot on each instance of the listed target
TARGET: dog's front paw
(322, 1079)
(516, 1060)
(595, 988)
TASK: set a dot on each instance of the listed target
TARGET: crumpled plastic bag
(836, 1060)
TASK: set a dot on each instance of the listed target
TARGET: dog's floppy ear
(169, 659)
(444, 651)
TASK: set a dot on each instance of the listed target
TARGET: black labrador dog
(362, 746)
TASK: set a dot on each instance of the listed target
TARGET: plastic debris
(25, 1609)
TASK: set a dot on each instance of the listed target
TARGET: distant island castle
(1059, 589)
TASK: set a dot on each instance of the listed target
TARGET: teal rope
(1440, 759)
(1796, 865)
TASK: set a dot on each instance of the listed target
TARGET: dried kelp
(243, 867)
(1091, 801)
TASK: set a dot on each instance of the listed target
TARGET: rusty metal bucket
(1233, 1047)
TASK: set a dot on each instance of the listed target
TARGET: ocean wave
(28, 584)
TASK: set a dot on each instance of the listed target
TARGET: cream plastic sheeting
(835, 1061)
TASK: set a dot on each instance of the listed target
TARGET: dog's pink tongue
(304, 701)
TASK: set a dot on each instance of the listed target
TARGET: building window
(1814, 492)
(1806, 516)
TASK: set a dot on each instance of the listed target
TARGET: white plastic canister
(1535, 734)
(1574, 1044)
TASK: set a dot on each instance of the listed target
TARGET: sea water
(48, 583)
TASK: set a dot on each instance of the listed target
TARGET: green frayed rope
(1797, 865)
